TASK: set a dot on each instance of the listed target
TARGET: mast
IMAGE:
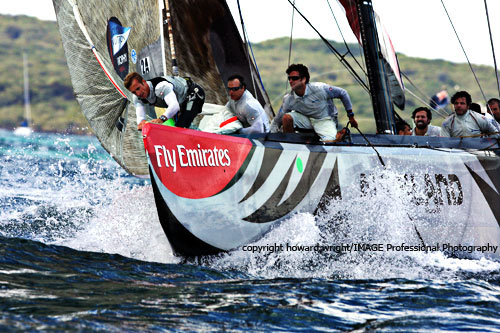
(175, 67)
(383, 108)
(27, 105)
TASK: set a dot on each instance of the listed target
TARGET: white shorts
(326, 128)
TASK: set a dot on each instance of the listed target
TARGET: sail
(387, 49)
(97, 78)
(105, 40)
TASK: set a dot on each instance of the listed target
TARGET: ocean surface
(81, 248)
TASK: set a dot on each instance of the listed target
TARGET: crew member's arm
(277, 121)
(255, 116)
(140, 112)
(173, 105)
(336, 92)
(489, 128)
(165, 90)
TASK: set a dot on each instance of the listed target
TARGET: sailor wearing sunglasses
(310, 106)
(246, 108)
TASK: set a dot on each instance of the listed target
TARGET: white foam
(127, 225)
(386, 219)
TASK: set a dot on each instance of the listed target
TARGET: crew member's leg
(325, 128)
(297, 120)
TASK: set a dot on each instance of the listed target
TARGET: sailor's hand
(157, 121)
(353, 122)
(141, 124)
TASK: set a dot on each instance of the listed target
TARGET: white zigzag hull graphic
(455, 185)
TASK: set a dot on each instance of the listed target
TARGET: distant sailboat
(25, 128)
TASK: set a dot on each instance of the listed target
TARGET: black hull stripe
(491, 196)
(332, 190)
(183, 242)
(271, 157)
(270, 211)
(241, 171)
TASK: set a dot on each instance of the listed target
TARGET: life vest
(180, 86)
(154, 82)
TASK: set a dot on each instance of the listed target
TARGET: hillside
(55, 109)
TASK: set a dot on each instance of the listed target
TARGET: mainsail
(387, 49)
(105, 40)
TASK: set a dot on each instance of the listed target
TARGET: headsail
(98, 86)
(103, 45)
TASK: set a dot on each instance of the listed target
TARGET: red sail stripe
(105, 72)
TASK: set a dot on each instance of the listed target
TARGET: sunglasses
(293, 78)
(233, 88)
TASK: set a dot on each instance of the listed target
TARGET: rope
(492, 47)
(291, 36)
(290, 44)
(334, 51)
(246, 44)
(460, 42)
(371, 145)
(345, 43)
(442, 113)
(175, 67)
(478, 135)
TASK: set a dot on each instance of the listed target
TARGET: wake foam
(66, 190)
(333, 243)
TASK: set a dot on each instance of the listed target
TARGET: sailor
(422, 117)
(246, 108)
(181, 97)
(403, 128)
(494, 111)
(464, 122)
(310, 105)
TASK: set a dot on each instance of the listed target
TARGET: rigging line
(246, 46)
(371, 145)
(337, 53)
(256, 66)
(413, 84)
(439, 111)
(345, 42)
(465, 53)
(492, 47)
(290, 44)
(291, 36)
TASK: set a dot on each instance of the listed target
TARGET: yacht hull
(216, 193)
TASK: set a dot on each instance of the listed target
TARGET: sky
(418, 28)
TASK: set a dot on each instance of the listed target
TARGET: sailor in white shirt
(464, 122)
(246, 108)
(181, 97)
(494, 112)
(310, 105)
(422, 117)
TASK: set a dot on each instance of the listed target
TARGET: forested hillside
(54, 107)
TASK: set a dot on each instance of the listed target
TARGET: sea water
(81, 248)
